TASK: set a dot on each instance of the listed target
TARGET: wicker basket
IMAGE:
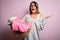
(18, 33)
(21, 34)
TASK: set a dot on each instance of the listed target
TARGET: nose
(33, 7)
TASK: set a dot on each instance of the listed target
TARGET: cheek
(31, 8)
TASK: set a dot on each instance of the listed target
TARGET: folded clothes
(19, 25)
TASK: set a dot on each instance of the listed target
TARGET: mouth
(33, 9)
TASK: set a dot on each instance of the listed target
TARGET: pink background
(9, 8)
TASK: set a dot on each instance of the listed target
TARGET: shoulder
(26, 15)
(40, 15)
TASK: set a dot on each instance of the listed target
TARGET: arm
(48, 16)
(23, 18)
(44, 21)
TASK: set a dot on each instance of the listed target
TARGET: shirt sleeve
(43, 23)
(24, 18)
(40, 23)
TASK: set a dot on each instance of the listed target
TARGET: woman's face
(33, 8)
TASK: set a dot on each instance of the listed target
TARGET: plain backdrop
(9, 8)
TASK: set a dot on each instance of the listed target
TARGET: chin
(33, 11)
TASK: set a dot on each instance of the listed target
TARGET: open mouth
(33, 9)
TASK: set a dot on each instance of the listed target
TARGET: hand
(48, 16)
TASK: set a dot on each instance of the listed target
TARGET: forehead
(32, 3)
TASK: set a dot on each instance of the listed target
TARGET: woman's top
(37, 24)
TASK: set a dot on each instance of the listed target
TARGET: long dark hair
(36, 5)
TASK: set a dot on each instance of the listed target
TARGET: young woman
(37, 21)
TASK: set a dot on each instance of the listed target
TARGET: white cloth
(37, 24)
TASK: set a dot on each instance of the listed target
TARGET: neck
(34, 13)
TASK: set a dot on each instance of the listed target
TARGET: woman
(37, 21)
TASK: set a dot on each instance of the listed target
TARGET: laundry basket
(19, 28)
(21, 34)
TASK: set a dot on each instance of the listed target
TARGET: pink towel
(18, 25)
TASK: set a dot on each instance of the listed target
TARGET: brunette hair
(36, 5)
